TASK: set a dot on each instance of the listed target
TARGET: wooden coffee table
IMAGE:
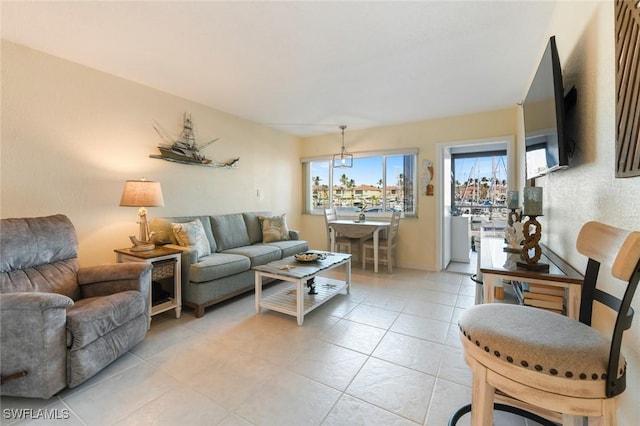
(310, 290)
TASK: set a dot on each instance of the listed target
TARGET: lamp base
(143, 247)
(533, 266)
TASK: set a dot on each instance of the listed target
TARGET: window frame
(308, 191)
(474, 154)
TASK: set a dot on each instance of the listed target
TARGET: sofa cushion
(291, 247)
(274, 228)
(91, 318)
(229, 231)
(218, 265)
(191, 234)
(164, 231)
(254, 227)
(541, 342)
(259, 254)
(83, 363)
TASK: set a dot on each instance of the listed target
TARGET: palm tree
(344, 179)
(351, 184)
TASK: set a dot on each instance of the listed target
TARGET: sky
(364, 171)
(369, 170)
(477, 168)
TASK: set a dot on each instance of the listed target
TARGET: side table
(166, 263)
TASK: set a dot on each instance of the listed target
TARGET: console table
(560, 273)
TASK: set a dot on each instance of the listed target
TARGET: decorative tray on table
(309, 257)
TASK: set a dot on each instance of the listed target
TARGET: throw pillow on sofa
(191, 234)
(274, 228)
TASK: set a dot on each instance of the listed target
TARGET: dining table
(359, 229)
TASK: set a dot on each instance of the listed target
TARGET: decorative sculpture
(427, 177)
(184, 149)
(532, 230)
(514, 235)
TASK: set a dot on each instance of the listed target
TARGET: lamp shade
(343, 159)
(142, 193)
(532, 201)
(513, 201)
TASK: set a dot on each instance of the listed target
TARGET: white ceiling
(303, 67)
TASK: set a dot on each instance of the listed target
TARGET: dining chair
(544, 364)
(386, 244)
(343, 244)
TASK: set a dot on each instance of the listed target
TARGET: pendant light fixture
(343, 159)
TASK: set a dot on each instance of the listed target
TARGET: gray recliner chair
(61, 324)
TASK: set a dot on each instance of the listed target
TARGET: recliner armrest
(33, 301)
(112, 278)
(33, 343)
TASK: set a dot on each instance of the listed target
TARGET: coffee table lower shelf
(285, 301)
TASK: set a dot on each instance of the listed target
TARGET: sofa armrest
(294, 235)
(112, 278)
(189, 254)
(189, 257)
(33, 343)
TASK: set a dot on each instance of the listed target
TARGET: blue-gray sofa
(235, 242)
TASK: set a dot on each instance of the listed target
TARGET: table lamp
(142, 193)
(513, 205)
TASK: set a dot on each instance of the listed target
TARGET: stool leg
(481, 398)
(364, 256)
(608, 412)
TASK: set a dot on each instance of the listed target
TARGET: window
(377, 183)
(479, 184)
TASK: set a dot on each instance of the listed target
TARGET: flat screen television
(547, 146)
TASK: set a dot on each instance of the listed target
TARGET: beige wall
(417, 237)
(71, 136)
(588, 190)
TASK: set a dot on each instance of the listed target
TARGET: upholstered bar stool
(548, 364)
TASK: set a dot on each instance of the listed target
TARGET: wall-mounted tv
(547, 145)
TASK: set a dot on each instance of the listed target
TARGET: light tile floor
(388, 353)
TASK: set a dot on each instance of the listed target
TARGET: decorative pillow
(274, 228)
(191, 234)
